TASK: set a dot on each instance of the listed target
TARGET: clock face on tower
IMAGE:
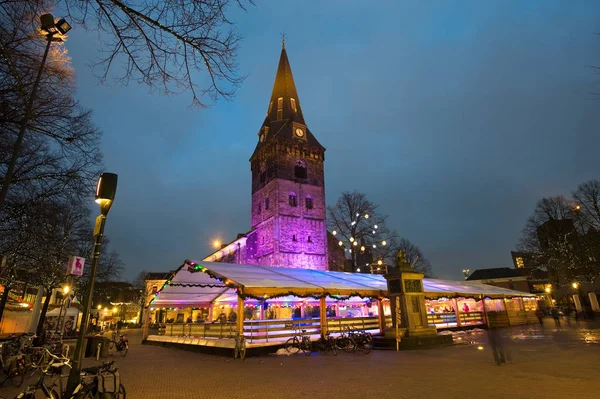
(299, 132)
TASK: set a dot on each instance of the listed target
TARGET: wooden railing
(204, 330)
(470, 318)
(439, 319)
(266, 330)
(271, 329)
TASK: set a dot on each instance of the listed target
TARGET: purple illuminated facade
(288, 188)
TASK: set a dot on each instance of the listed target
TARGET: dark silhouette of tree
(412, 255)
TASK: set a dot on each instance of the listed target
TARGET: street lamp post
(55, 32)
(105, 195)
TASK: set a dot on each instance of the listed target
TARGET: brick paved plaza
(545, 364)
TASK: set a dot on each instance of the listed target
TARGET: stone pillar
(594, 301)
(407, 286)
(35, 314)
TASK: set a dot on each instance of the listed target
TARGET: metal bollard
(98, 352)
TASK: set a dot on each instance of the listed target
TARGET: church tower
(288, 184)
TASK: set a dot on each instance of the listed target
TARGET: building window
(520, 263)
(270, 107)
(294, 238)
(280, 108)
(266, 204)
(293, 103)
(511, 285)
(300, 169)
(309, 240)
(259, 208)
(292, 200)
(309, 203)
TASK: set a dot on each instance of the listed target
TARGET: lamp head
(47, 22)
(63, 26)
(105, 191)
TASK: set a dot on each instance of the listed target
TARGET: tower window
(259, 208)
(292, 200)
(309, 240)
(293, 103)
(263, 177)
(266, 204)
(300, 169)
(294, 238)
(280, 108)
(309, 203)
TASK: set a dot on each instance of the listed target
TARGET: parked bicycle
(120, 345)
(326, 344)
(299, 343)
(12, 362)
(50, 371)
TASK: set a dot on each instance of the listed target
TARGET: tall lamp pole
(55, 32)
(105, 195)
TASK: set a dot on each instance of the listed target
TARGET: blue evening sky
(455, 117)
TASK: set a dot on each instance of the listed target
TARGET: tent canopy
(202, 283)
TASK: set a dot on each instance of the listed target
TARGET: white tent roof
(198, 283)
(72, 311)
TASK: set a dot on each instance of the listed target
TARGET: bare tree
(355, 222)
(587, 197)
(556, 236)
(165, 44)
(412, 255)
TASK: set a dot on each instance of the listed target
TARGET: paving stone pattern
(546, 363)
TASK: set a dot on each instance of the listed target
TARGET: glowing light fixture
(334, 232)
(575, 285)
(340, 243)
(383, 242)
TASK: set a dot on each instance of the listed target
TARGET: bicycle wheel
(292, 345)
(242, 348)
(321, 346)
(307, 346)
(124, 349)
(331, 346)
(16, 373)
(122, 394)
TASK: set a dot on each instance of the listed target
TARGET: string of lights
(362, 237)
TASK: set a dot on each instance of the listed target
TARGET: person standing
(495, 340)
(540, 316)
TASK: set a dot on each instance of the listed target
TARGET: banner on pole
(75, 266)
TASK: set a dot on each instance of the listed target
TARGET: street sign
(75, 266)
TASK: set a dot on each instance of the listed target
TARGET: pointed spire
(284, 103)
